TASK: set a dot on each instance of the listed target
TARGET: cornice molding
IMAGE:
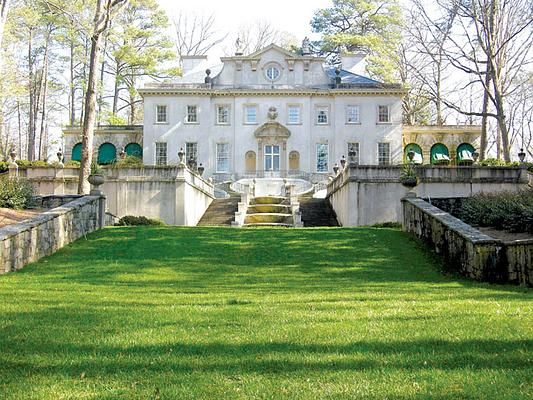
(270, 92)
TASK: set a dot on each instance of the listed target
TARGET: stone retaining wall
(465, 249)
(28, 241)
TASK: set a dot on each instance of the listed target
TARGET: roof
(348, 77)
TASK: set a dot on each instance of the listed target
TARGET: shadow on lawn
(71, 355)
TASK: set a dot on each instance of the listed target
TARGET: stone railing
(43, 235)
(174, 194)
(465, 249)
(371, 194)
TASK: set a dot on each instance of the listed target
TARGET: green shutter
(134, 150)
(76, 152)
(418, 159)
(440, 154)
(107, 154)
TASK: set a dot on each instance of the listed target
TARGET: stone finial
(201, 169)
(343, 162)
(272, 113)
(336, 169)
(60, 158)
(522, 156)
(181, 155)
(207, 76)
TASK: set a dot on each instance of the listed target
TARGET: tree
(104, 13)
(261, 33)
(4, 8)
(195, 34)
(492, 42)
(372, 26)
(138, 48)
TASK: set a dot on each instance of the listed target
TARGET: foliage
(15, 193)
(130, 220)
(128, 162)
(508, 210)
(72, 164)
(371, 26)
(113, 119)
(221, 313)
(96, 169)
(408, 177)
(4, 167)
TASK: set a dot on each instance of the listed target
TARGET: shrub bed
(130, 220)
(15, 193)
(507, 211)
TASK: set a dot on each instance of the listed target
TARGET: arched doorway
(76, 152)
(294, 161)
(107, 154)
(418, 158)
(440, 154)
(250, 161)
(134, 150)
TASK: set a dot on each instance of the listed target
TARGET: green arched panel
(76, 152)
(465, 153)
(135, 150)
(107, 154)
(418, 159)
(440, 154)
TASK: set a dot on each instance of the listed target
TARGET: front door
(272, 158)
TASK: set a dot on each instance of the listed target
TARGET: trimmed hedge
(15, 193)
(130, 220)
(506, 211)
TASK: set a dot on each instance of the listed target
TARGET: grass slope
(214, 313)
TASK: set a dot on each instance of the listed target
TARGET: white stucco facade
(301, 84)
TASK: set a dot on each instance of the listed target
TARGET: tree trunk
(44, 85)
(20, 129)
(484, 120)
(116, 90)
(72, 92)
(31, 88)
(102, 18)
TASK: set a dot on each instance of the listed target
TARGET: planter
(410, 182)
(96, 180)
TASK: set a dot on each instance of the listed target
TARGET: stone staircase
(221, 211)
(317, 212)
(269, 211)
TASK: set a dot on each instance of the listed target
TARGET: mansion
(279, 113)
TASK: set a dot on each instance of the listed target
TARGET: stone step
(260, 208)
(268, 200)
(317, 212)
(221, 212)
(268, 218)
(268, 224)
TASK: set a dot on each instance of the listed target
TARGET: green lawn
(214, 313)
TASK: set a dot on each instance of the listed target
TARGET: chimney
(189, 63)
(354, 63)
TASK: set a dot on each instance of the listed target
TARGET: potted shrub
(408, 177)
(96, 178)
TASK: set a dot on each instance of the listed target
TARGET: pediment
(272, 129)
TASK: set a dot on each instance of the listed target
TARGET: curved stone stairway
(269, 211)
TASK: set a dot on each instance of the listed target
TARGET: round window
(272, 72)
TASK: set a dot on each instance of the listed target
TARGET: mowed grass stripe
(215, 313)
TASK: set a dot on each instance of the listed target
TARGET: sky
(286, 15)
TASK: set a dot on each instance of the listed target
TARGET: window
(250, 114)
(161, 154)
(222, 114)
(222, 157)
(294, 114)
(383, 153)
(271, 158)
(191, 154)
(321, 158)
(355, 148)
(322, 115)
(352, 115)
(160, 114)
(383, 114)
(192, 114)
(272, 72)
